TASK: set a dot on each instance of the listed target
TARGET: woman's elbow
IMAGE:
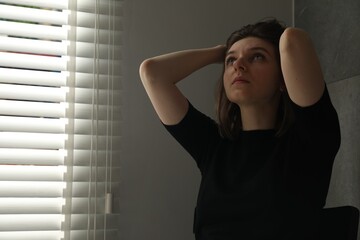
(292, 39)
(147, 70)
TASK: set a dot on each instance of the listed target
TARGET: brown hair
(228, 113)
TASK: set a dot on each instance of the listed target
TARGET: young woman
(267, 160)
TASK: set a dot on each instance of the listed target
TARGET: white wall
(159, 181)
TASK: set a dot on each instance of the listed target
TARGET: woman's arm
(301, 68)
(160, 75)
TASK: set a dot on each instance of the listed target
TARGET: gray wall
(159, 181)
(334, 28)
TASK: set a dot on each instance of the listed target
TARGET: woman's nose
(239, 64)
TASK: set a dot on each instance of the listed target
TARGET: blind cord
(93, 129)
(97, 57)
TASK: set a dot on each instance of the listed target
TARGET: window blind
(60, 118)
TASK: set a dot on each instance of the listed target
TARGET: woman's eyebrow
(251, 49)
(259, 49)
(230, 52)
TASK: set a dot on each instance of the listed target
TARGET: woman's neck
(258, 117)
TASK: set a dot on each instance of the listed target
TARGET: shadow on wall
(334, 28)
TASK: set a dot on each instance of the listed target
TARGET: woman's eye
(230, 61)
(257, 57)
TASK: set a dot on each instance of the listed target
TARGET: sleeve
(317, 130)
(318, 124)
(313, 143)
(197, 134)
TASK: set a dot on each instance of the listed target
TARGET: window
(60, 102)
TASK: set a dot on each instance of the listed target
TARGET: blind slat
(29, 61)
(33, 46)
(33, 93)
(99, 234)
(31, 235)
(83, 49)
(31, 173)
(80, 221)
(22, 222)
(86, 65)
(32, 206)
(44, 125)
(33, 15)
(33, 77)
(38, 109)
(33, 30)
(58, 4)
(32, 140)
(32, 156)
(31, 189)
(82, 157)
(87, 19)
(84, 80)
(104, 37)
(102, 6)
(86, 49)
(40, 125)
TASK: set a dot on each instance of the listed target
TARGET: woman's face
(252, 74)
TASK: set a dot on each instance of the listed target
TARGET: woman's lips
(240, 80)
